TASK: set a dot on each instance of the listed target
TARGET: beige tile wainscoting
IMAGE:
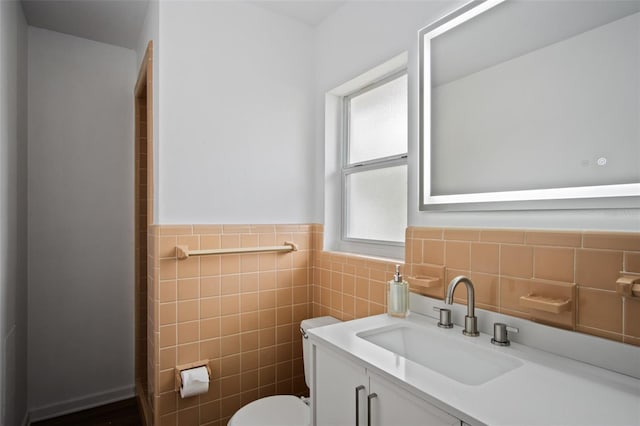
(242, 311)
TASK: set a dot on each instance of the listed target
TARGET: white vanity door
(397, 407)
(336, 380)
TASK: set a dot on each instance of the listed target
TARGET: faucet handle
(500, 336)
(445, 317)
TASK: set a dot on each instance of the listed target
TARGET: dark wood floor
(123, 413)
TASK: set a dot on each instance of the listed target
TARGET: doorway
(143, 104)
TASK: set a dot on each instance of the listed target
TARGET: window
(374, 169)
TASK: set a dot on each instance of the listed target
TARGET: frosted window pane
(378, 122)
(377, 204)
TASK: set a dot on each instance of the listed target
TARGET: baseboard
(26, 421)
(79, 404)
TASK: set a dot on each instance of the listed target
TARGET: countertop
(546, 390)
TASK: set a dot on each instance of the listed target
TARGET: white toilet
(283, 410)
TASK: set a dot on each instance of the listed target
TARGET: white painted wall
(362, 35)
(80, 225)
(236, 115)
(150, 31)
(13, 213)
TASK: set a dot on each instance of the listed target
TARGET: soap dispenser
(398, 296)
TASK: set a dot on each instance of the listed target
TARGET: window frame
(347, 168)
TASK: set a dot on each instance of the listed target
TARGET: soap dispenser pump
(398, 296)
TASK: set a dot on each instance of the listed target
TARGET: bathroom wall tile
(188, 268)
(229, 325)
(267, 262)
(250, 362)
(229, 240)
(249, 240)
(167, 313)
(600, 309)
(209, 349)
(209, 286)
(166, 381)
(189, 417)
(502, 236)
(188, 353)
(613, 241)
(284, 315)
(209, 412)
(208, 242)
(556, 264)
(192, 242)
(230, 366)
(516, 261)
(598, 268)
(433, 252)
(167, 336)
(249, 263)
(229, 284)
(284, 279)
(167, 246)
(230, 345)
(169, 420)
(168, 269)
(267, 281)
(267, 318)
(167, 358)
(485, 257)
(457, 254)
(631, 340)
(427, 233)
(209, 328)
(207, 229)
(188, 310)
(229, 264)
(600, 333)
(545, 238)
(167, 291)
(210, 266)
(275, 292)
(209, 307)
(166, 403)
(631, 318)
(188, 332)
(416, 251)
(250, 341)
(487, 290)
(229, 304)
(632, 261)
(188, 288)
(249, 302)
(174, 230)
(460, 234)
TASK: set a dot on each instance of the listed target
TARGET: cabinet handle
(358, 389)
(369, 398)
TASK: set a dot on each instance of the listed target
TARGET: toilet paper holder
(189, 366)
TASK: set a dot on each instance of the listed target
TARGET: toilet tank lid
(318, 322)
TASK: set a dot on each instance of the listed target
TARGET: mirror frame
(583, 197)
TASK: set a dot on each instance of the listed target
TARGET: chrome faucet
(470, 321)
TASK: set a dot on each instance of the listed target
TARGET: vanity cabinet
(345, 393)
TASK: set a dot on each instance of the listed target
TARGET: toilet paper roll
(195, 381)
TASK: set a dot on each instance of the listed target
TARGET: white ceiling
(109, 21)
(119, 21)
(311, 12)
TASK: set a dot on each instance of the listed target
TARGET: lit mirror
(531, 105)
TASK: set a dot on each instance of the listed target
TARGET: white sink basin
(448, 354)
